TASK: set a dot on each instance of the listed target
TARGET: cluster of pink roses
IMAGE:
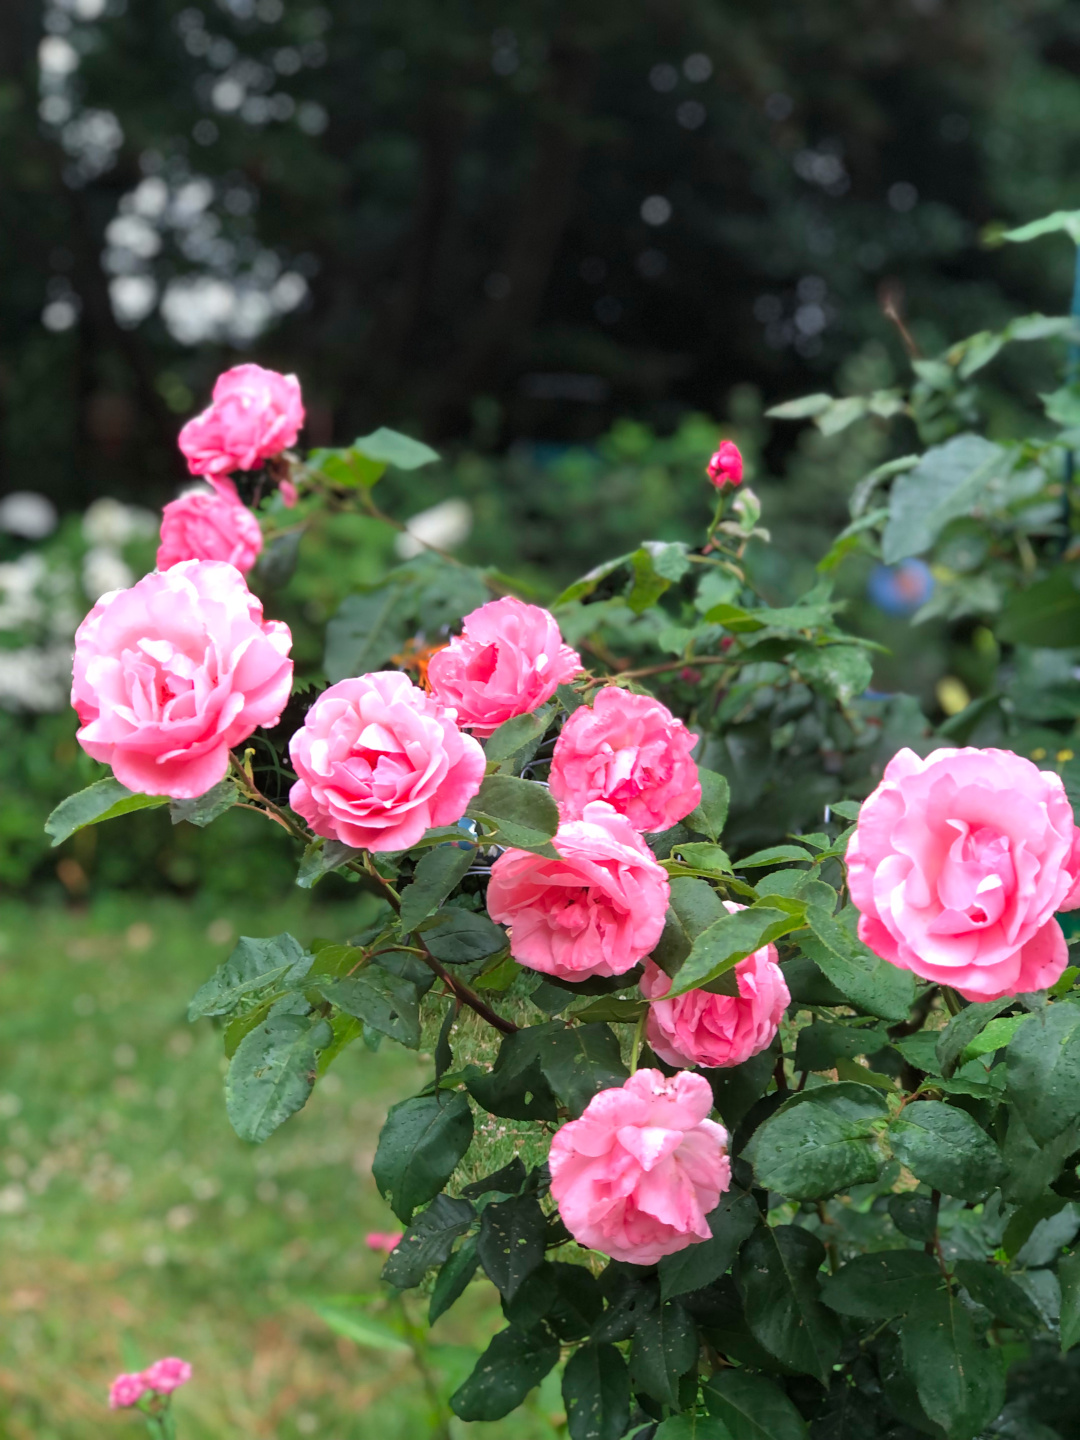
(160, 1378)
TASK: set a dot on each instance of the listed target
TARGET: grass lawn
(133, 1222)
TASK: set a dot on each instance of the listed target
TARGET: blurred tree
(499, 220)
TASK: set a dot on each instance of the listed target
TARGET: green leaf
(319, 858)
(1060, 222)
(773, 856)
(882, 1285)
(665, 1348)
(588, 582)
(610, 1008)
(699, 1265)
(988, 1285)
(1068, 1273)
(946, 483)
(512, 1364)
(1043, 1061)
(355, 1325)
(515, 1086)
(777, 1277)
(995, 1036)
(946, 1149)
(526, 815)
(840, 671)
(696, 906)
(514, 735)
(960, 1383)
(820, 1142)
(272, 1073)
(278, 961)
(345, 466)
(427, 1241)
(962, 1030)
(868, 981)
(219, 798)
(914, 1216)
(381, 1000)
(435, 876)
(457, 936)
(647, 583)
(368, 630)
(752, 1408)
(821, 1044)
(452, 1279)
(805, 408)
(704, 857)
(733, 937)
(694, 1427)
(711, 811)
(104, 800)
(419, 1149)
(393, 448)
(578, 1062)
(511, 1243)
(596, 1394)
(1046, 614)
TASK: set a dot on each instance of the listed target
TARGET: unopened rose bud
(726, 466)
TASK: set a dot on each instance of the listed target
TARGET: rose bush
(794, 1075)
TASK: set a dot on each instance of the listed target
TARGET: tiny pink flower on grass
(208, 526)
(726, 465)
(637, 1174)
(165, 1376)
(255, 414)
(126, 1390)
(384, 1240)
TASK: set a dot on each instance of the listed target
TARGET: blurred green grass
(133, 1222)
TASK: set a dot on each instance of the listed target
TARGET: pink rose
(208, 526)
(726, 465)
(384, 1240)
(636, 1176)
(167, 1375)
(630, 751)
(172, 673)
(958, 864)
(597, 910)
(255, 414)
(380, 762)
(700, 1028)
(507, 661)
(126, 1390)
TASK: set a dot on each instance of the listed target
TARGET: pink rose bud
(172, 673)
(726, 465)
(630, 751)
(288, 493)
(384, 1240)
(167, 1375)
(507, 661)
(959, 862)
(208, 526)
(597, 910)
(126, 1390)
(636, 1176)
(255, 414)
(717, 1031)
(380, 762)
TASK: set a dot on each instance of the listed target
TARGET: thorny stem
(952, 1000)
(933, 1245)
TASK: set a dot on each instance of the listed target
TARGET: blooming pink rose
(208, 526)
(726, 465)
(384, 1240)
(172, 673)
(958, 864)
(167, 1375)
(126, 1390)
(380, 762)
(636, 1176)
(507, 661)
(700, 1028)
(630, 751)
(255, 414)
(597, 910)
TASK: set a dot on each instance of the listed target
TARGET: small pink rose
(507, 661)
(206, 525)
(289, 494)
(717, 1031)
(596, 910)
(172, 673)
(379, 762)
(726, 465)
(254, 415)
(126, 1390)
(637, 1175)
(630, 751)
(384, 1240)
(167, 1375)
(957, 865)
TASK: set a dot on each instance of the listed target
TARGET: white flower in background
(104, 570)
(111, 522)
(20, 603)
(35, 679)
(445, 526)
(28, 514)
